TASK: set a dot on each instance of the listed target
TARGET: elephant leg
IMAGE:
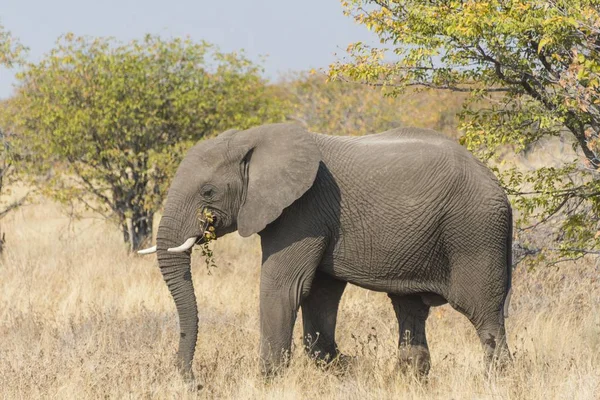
(285, 281)
(492, 334)
(482, 302)
(319, 314)
(277, 317)
(491, 331)
(412, 313)
(493, 339)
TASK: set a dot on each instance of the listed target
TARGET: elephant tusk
(185, 246)
(149, 250)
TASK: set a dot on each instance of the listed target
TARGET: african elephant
(407, 212)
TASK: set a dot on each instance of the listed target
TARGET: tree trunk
(2, 243)
(137, 230)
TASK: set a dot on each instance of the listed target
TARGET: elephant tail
(509, 260)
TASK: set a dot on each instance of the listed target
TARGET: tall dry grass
(80, 318)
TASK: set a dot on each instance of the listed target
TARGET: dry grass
(80, 318)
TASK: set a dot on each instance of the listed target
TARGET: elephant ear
(279, 165)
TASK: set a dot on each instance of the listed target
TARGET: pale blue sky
(295, 35)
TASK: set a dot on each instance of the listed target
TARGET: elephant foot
(338, 365)
(497, 356)
(272, 367)
(342, 364)
(269, 371)
(414, 359)
(498, 363)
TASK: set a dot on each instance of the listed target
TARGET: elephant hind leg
(413, 352)
(492, 334)
(319, 315)
(481, 299)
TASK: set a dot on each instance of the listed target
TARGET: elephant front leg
(319, 315)
(290, 260)
(412, 313)
(285, 281)
(277, 317)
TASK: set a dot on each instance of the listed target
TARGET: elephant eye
(208, 192)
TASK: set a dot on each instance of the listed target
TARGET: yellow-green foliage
(206, 221)
(11, 50)
(531, 70)
(348, 108)
(118, 116)
(11, 54)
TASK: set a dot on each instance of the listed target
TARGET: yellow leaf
(543, 42)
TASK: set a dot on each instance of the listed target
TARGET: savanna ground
(81, 318)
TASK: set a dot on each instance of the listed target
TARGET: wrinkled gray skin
(406, 212)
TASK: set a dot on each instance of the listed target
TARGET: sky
(294, 35)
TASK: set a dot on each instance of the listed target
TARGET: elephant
(407, 212)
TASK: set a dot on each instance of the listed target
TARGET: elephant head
(245, 179)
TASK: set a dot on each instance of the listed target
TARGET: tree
(531, 70)
(111, 120)
(349, 108)
(11, 54)
(11, 50)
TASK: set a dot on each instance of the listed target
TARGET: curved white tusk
(185, 246)
(149, 250)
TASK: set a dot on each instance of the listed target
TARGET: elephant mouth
(207, 220)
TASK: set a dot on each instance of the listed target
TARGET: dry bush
(80, 318)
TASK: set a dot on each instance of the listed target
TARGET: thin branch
(550, 215)
(497, 66)
(533, 251)
(14, 205)
(566, 259)
(92, 188)
(457, 88)
(562, 192)
(429, 86)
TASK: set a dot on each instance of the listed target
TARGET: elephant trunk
(175, 268)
